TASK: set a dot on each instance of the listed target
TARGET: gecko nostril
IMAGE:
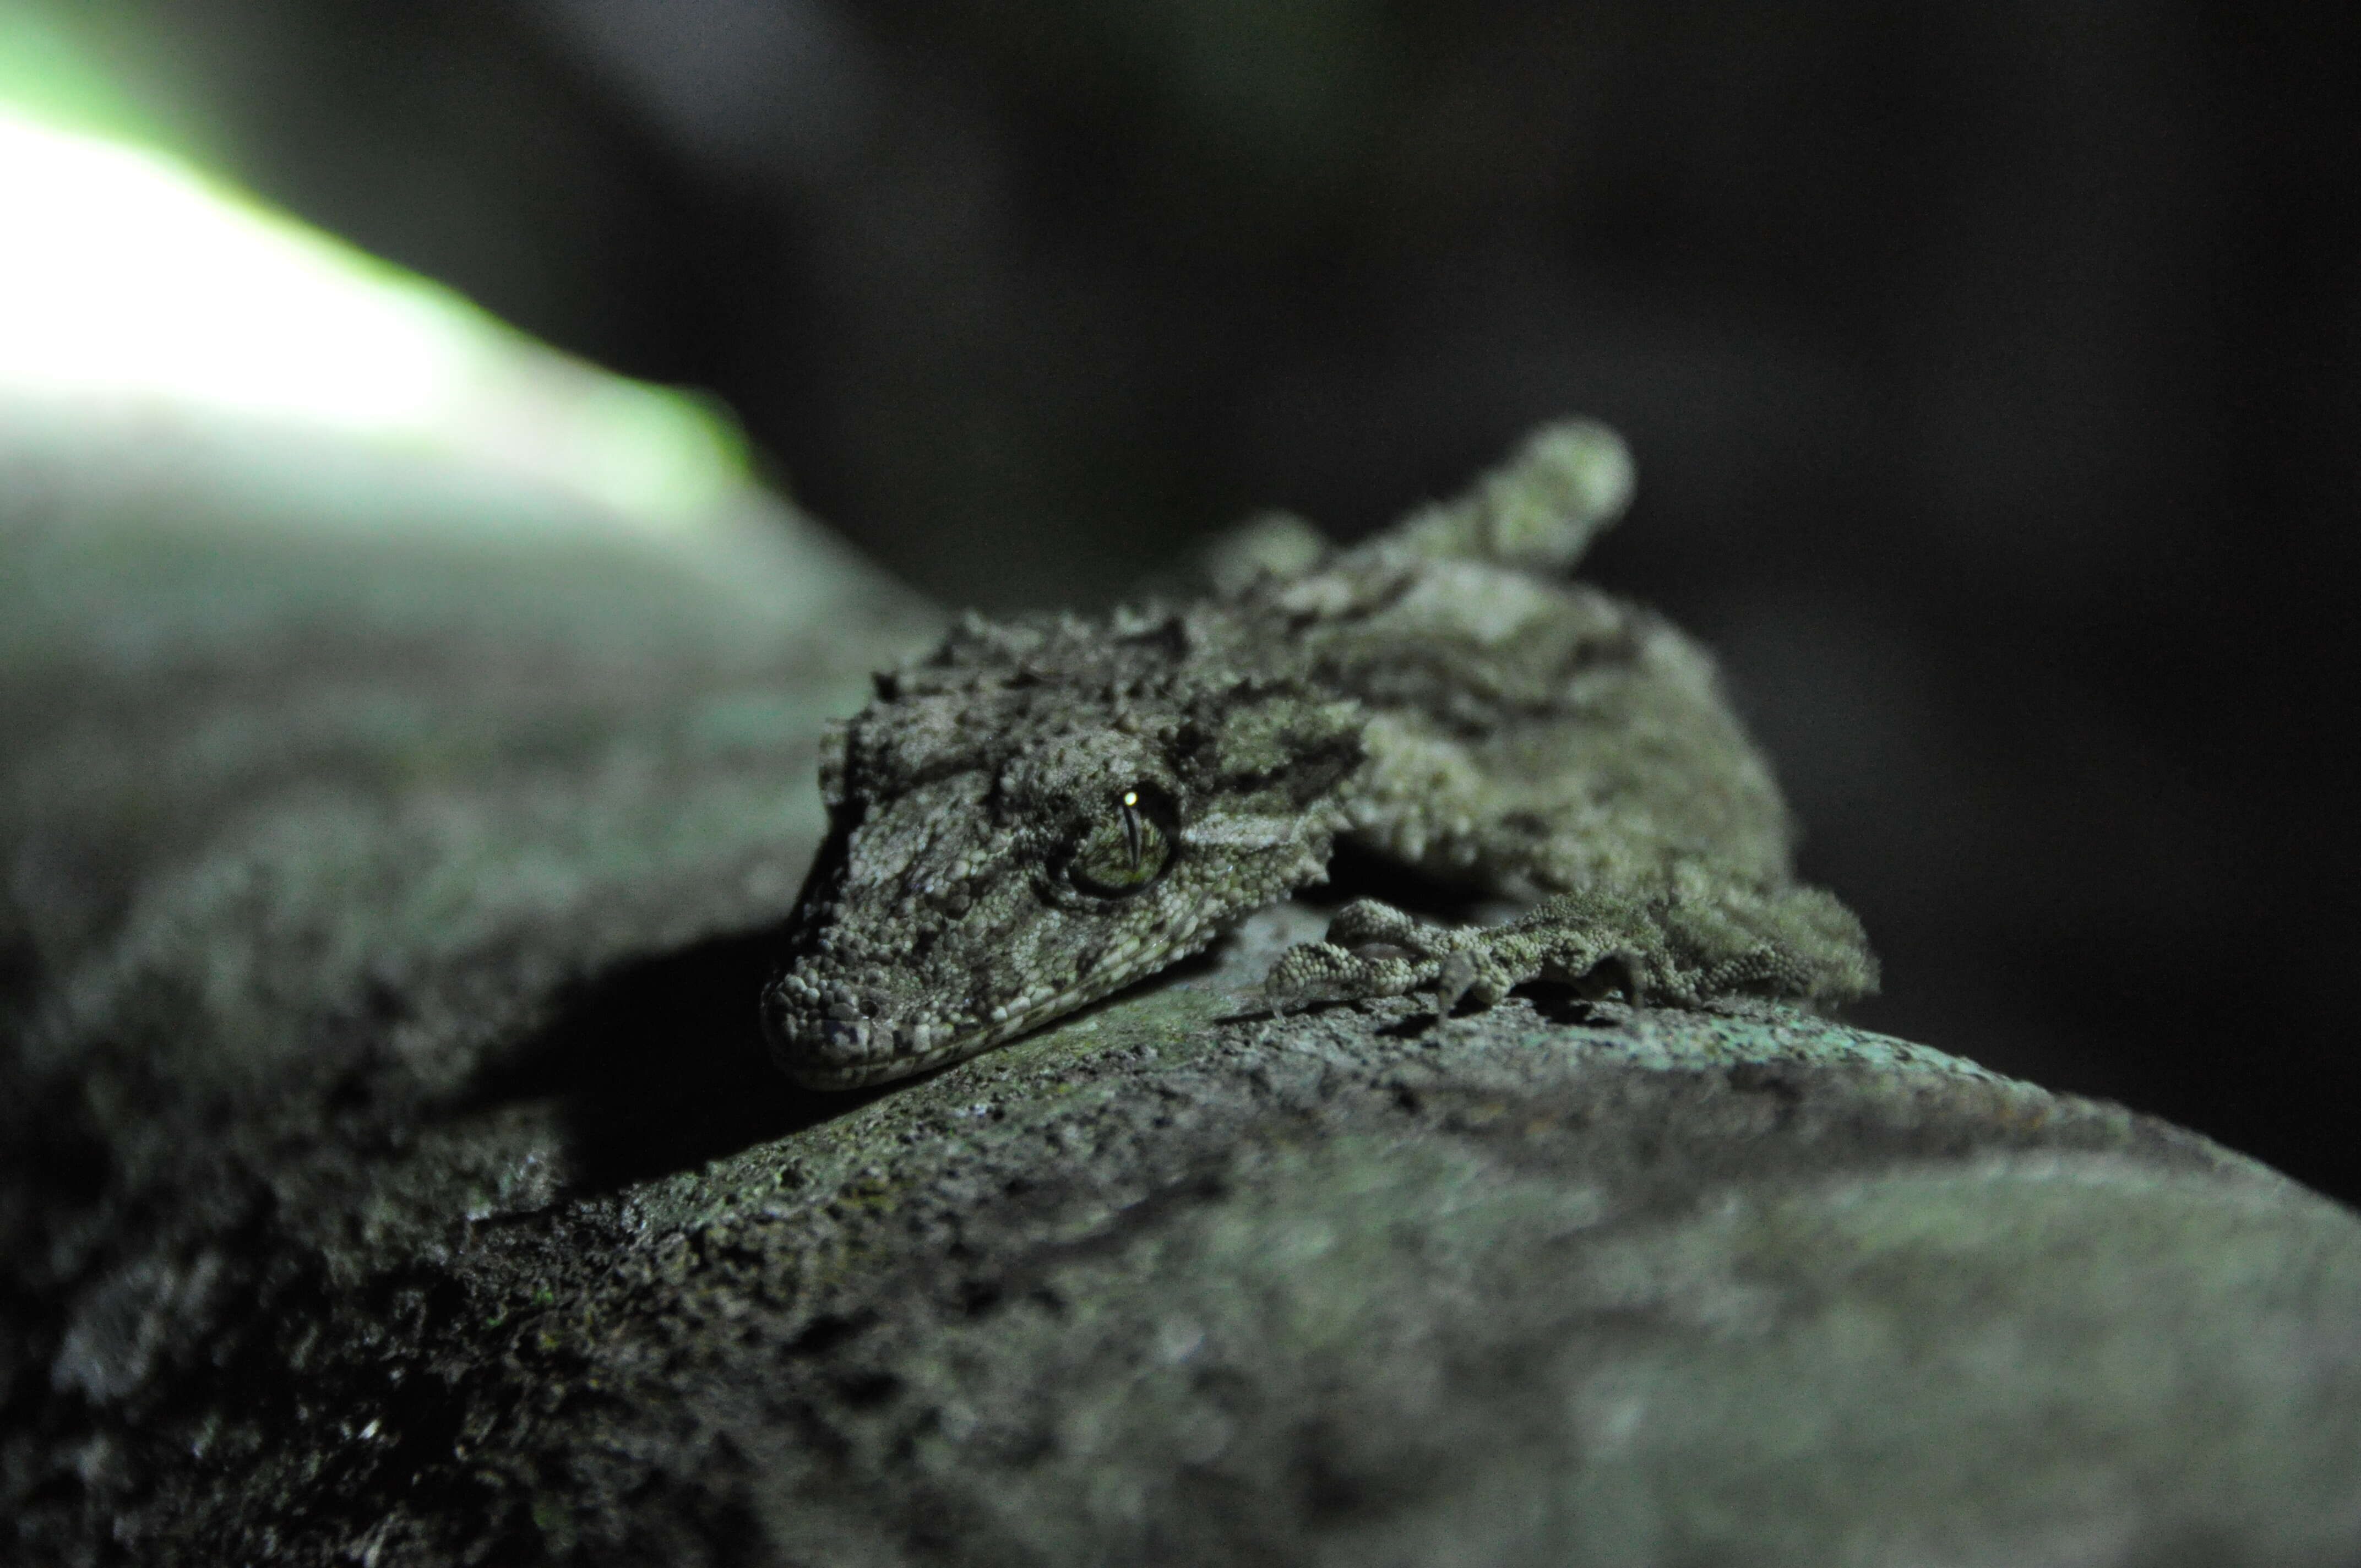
(835, 1040)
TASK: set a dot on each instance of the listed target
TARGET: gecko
(1045, 809)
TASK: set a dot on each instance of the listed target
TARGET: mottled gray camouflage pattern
(1439, 695)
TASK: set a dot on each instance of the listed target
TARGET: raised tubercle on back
(1565, 483)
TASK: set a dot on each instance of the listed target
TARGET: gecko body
(1045, 810)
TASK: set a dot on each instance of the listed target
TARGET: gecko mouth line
(821, 1052)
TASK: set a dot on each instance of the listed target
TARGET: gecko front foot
(1371, 950)
(1375, 949)
(1685, 938)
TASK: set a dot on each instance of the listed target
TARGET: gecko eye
(1125, 850)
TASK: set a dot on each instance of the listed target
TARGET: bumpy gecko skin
(1044, 811)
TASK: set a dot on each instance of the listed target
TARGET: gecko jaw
(819, 1051)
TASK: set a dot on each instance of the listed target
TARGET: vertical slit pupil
(1131, 835)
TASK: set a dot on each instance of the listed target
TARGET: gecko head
(1037, 817)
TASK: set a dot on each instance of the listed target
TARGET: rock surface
(389, 1171)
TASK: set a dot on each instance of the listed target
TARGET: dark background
(1991, 367)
